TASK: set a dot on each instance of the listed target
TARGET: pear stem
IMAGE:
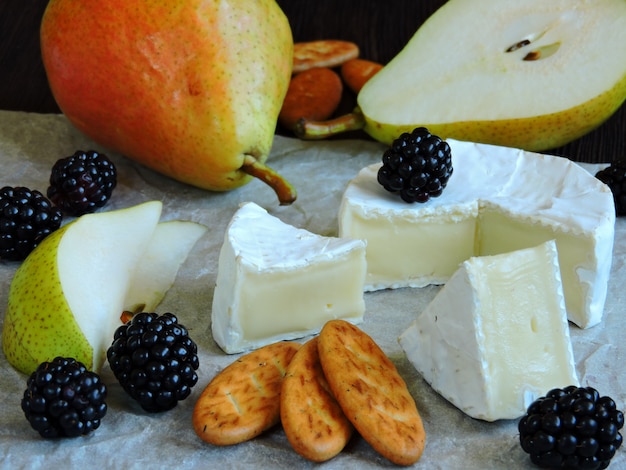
(284, 190)
(315, 130)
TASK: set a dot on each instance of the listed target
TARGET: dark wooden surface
(380, 27)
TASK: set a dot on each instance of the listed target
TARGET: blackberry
(26, 218)
(571, 428)
(417, 166)
(154, 360)
(83, 182)
(614, 176)
(64, 399)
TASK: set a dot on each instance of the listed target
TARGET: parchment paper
(131, 438)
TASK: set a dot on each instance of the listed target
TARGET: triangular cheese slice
(278, 282)
(496, 336)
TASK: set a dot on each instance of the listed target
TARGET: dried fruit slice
(313, 94)
(356, 72)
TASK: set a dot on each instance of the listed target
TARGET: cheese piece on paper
(496, 336)
(497, 200)
(278, 282)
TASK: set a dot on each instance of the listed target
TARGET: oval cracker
(312, 419)
(322, 53)
(243, 400)
(371, 392)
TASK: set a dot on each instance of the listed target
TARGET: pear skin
(67, 296)
(535, 133)
(527, 77)
(189, 88)
(32, 323)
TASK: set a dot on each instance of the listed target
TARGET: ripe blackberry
(614, 176)
(154, 360)
(64, 399)
(83, 182)
(26, 218)
(572, 428)
(417, 165)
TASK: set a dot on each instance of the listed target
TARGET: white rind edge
(443, 343)
(292, 249)
(540, 189)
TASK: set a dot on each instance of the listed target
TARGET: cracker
(356, 72)
(243, 400)
(313, 95)
(371, 392)
(322, 53)
(312, 419)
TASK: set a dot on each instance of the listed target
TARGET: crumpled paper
(131, 438)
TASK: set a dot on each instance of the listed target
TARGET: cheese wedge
(496, 336)
(497, 200)
(278, 282)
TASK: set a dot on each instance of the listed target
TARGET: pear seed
(543, 52)
(532, 55)
(518, 45)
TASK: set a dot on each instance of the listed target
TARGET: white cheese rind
(277, 282)
(498, 199)
(496, 336)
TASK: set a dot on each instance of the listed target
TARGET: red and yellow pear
(189, 88)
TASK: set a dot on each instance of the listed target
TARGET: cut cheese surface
(278, 282)
(496, 336)
(497, 200)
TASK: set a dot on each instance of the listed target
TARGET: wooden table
(380, 27)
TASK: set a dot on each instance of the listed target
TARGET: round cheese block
(497, 200)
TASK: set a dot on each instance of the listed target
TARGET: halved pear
(67, 296)
(531, 74)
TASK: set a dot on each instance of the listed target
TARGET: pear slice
(156, 271)
(532, 74)
(67, 296)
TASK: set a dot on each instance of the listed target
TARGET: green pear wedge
(157, 269)
(67, 297)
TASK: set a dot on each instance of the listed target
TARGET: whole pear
(189, 88)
